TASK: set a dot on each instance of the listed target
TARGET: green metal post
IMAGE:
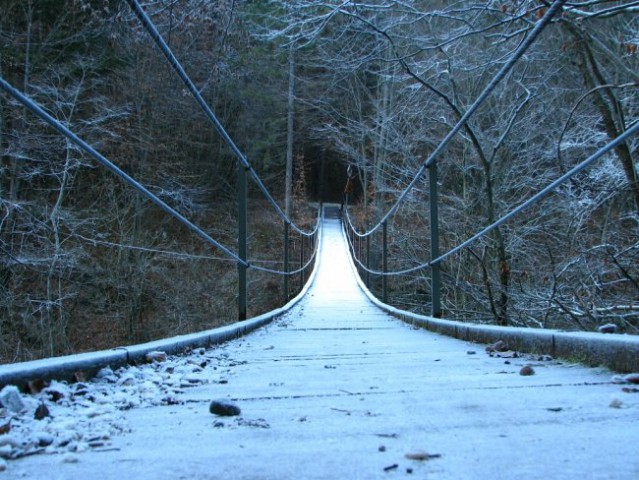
(359, 254)
(287, 227)
(241, 242)
(368, 263)
(384, 260)
(436, 310)
(302, 261)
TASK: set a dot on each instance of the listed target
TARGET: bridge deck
(338, 389)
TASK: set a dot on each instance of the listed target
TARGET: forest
(310, 90)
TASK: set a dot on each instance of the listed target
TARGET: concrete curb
(617, 352)
(67, 367)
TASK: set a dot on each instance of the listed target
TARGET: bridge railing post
(359, 253)
(436, 310)
(302, 261)
(384, 261)
(368, 263)
(242, 240)
(287, 228)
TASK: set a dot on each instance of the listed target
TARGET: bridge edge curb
(617, 352)
(66, 368)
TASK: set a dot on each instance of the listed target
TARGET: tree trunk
(609, 108)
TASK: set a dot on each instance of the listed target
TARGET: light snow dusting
(65, 418)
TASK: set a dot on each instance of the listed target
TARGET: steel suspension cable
(531, 201)
(168, 53)
(55, 124)
(499, 76)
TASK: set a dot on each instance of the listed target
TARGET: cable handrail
(39, 111)
(168, 53)
(101, 159)
(497, 78)
(630, 132)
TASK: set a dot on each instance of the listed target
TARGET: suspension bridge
(338, 388)
(334, 384)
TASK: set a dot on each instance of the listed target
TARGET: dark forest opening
(327, 176)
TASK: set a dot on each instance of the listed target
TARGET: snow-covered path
(338, 389)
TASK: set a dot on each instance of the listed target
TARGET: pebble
(6, 451)
(70, 458)
(498, 346)
(36, 386)
(615, 403)
(44, 439)
(607, 328)
(526, 371)
(156, 356)
(224, 408)
(421, 456)
(41, 412)
(11, 399)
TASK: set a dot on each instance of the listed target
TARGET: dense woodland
(87, 263)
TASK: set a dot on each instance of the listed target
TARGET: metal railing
(360, 241)
(308, 238)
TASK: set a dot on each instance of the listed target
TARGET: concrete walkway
(337, 389)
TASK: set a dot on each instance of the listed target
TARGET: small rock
(81, 389)
(607, 328)
(3, 464)
(41, 412)
(54, 395)
(126, 380)
(11, 399)
(471, 352)
(382, 448)
(632, 378)
(104, 372)
(5, 428)
(224, 408)
(498, 346)
(6, 451)
(45, 439)
(615, 403)
(526, 371)
(70, 458)
(421, 456)
(36, 386)
(155, 356)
